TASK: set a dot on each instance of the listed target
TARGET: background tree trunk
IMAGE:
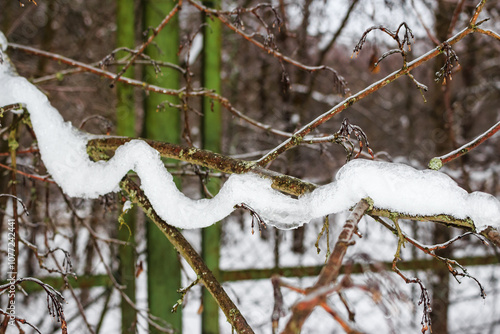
(125, 126)
(164, 276)
(441, 275)
(212, 140)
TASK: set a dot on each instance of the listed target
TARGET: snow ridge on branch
(395, 187)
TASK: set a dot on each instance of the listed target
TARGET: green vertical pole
(164, 275)
(212, 140)
(125, 124)
(125, 37)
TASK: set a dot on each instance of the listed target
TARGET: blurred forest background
(402, 123)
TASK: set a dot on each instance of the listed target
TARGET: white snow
(127, 206)
(392, 186)
(404, 189)
(3, 42)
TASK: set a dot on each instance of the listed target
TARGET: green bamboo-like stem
(211, 140)
(285, 183)
(125, 126)
(164, 272)
(89, 281)
(356, 268)
(233, 315)
(331, 270)
(156, 31)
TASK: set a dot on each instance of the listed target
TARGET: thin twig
(31, 176)
(271, 51)
(328, 46)
(93, 69)
(55, 300)
(431, 36)
(156, 89)
(163, 23)
(19, 200)
(489, 33)
(430, 250)
(437, 162)
(233, 315)
(454, 19)
(21, 320)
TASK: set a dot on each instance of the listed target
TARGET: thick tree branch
(233, 315)
(443, 219)
(330, 272)
(97, 149)
(101, 148)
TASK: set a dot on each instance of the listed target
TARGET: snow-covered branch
(396, 188)
(330, 272)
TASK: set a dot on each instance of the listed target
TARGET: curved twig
(93, 69)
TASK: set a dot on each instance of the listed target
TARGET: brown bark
(233, 315)
(329, 273)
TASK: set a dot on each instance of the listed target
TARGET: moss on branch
(104, 147)
(175, 237)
